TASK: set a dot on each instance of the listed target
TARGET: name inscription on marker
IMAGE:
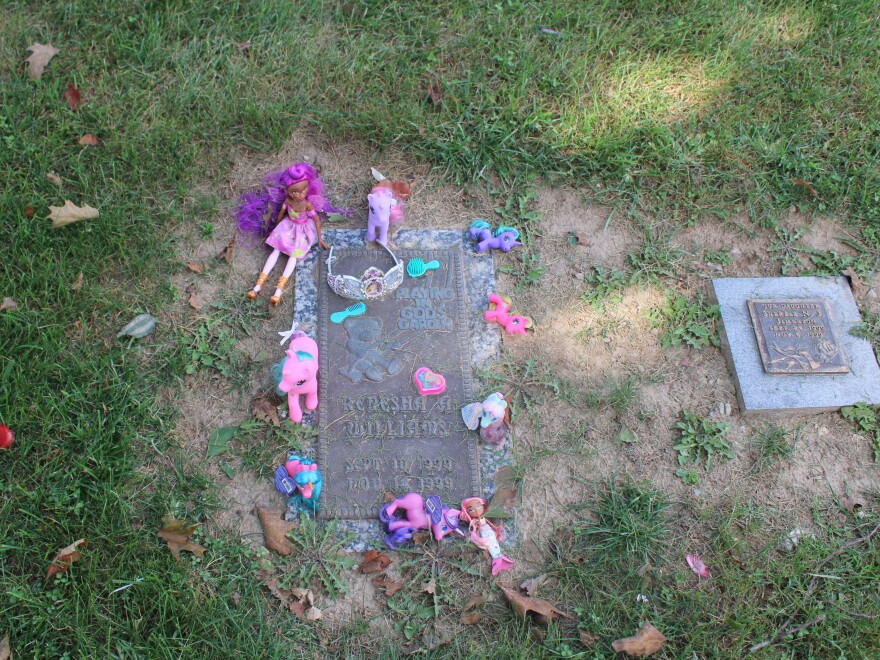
(797, 336)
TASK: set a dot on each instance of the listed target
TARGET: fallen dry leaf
(39, 58)
(65, 215)
(226, 253)
(579, 238)
(542, 610)
(5, 649)
(176, 533)
(469, 614)
(89, 140)
(805, 186)
(271, 583)
(29, 211)
(646, 641)
(195, 304)
(854, 281)
(297, 608)
(849, 503)
(586, 638)
(531, 585)
(73, 96)
(243, 45)
(198, 267)
(697, 565)
(434, 92)
(391, 587)
(430, 587)
(53, 178)
(305, 595)
(8, 303)
(374, 562)
(275, 530)
(77, 285)
(312, 614)
(264, 410)
(64, 558)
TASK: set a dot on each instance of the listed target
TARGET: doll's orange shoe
(261, 280)
(282, 282)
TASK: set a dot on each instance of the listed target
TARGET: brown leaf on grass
(226, 253)
(264, 410)
(89, 140)
(73, 96)
(854, 281)
(586, 638)
(531, 585)
(243, 46)
(542, 610)
(430, 587)
(176, 533)
(312, 614)
(275, 530)
(579, 238)
(646, 641)
(70, 212)
(39, 58)
(64, 558)
(195, 304)
(434, 92)
(305, 595)
(77, 285)
(5, 649)
(851, 504)
(391, 587)
(374, 562)
(53, 178)
(198, 267)
(297, 608)
(469, 614)
(806, 186)
(8, 303)
(29, 211)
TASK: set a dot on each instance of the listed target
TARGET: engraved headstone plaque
(377, 434)
(797, 336)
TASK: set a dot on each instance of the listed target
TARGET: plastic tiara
(372, 285)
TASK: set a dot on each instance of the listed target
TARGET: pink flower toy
(499, 311)
(485, 534)
(286, 213)
(297, 374)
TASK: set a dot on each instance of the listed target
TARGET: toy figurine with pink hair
(286, 213)
(485, 534)
(297, 373)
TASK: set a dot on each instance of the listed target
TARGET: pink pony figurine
(386, 209)
(499, 311)
(485, 534)
(406, 515)
(297, 374)
(286, 213)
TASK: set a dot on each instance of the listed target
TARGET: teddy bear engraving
(370, 355)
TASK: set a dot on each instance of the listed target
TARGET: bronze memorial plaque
(796, 336)
(377, 434)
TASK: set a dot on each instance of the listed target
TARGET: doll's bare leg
(282, 281)
(264, 274)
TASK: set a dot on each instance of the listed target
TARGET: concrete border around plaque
(788, 345)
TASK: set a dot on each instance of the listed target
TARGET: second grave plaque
(377, 434)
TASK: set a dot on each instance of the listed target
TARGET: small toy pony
(297, 374)
(485, 534)
(299, 479)
(499, 311)
(386, 209)
(490, 416)
(503, 238)
(406, 515)
(287, 214)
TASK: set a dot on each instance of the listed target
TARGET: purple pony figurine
(386, 209)
(503, 238)
(406, 515)
(286, 214)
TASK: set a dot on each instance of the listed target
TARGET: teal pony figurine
(300, 480)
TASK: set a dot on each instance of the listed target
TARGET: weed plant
(685, 321)
(772, 445)
(865, 419)
(318, 559)
(701, 440)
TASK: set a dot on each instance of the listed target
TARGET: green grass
(673, 109)
(683, 321)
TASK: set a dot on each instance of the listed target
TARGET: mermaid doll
(485, 534)
(286, 213)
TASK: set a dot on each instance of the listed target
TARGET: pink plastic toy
(408, 514)
(299, 374)
(499, 308)
(485, 534)
(427, 382)
(386, 209)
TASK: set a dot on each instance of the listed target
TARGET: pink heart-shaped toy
(427, 382)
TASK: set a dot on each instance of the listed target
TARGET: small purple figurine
(503, 238)
(406, 515)
(386, 209)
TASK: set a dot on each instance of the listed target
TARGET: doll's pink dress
(294, 237)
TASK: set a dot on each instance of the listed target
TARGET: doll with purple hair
(286, 213)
